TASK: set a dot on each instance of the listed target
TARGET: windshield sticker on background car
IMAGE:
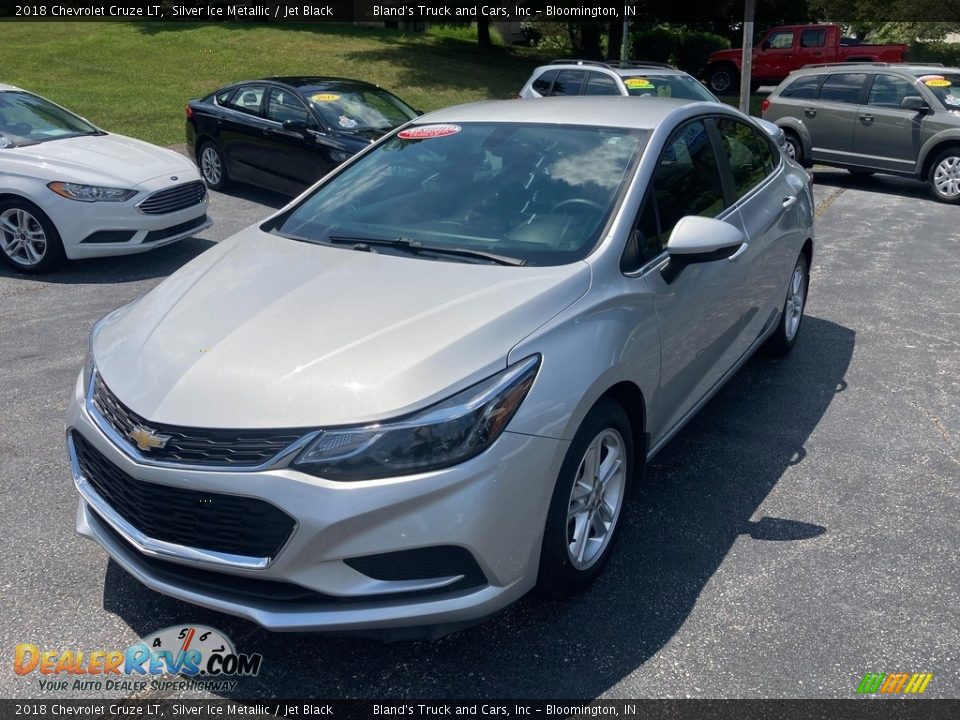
(638, 84)
(346, 122)
(935, 81)
(324, 97)
(426, 132)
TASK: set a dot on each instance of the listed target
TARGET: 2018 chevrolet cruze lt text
(425, 386)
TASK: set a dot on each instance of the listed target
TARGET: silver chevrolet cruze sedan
(426, 385)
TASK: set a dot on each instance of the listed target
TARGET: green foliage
(687, 49)
(935, 52)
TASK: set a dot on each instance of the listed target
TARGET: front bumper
(83, 226)
(493, 506)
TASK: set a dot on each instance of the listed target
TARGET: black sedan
(286, 133)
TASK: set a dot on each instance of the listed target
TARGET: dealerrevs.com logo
(201, 656)
(894, 683)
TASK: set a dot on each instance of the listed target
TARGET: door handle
(867, 118)
(740, 251)
(810, 112)
(267, 131)
(789, 201)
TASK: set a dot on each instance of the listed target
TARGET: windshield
(359, 110)
(27, 119)
(946, 86)
(683, 87)
(537, 193)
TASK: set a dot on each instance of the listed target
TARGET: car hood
(109, 159)
(265, 332)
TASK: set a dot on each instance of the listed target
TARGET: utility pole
(624, 41)
(746, 59)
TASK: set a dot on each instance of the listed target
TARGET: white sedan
(70, 189)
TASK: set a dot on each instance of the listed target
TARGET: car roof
(605, 111)
(306, 83)
(5, 88)
(911, 68)
(640, 69)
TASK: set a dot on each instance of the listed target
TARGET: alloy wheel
(946, 177)
(22, 237)
(596, 499)
(796, 296)
(210, 166)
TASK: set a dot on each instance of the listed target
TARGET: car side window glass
(803, 87)
(543, 83)
(813, 38)
(568, 82)
(781, 40)
(247, 99)
(285, 105)
(599, 84)
(843, 87)
(224, 97)
(744, 148)
(687, 178)
(644, 241)
(888, 91)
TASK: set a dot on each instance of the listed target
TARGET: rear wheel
(585, 509)
(723, 79)
(794, 146)
(788, 327)
(213, 167)
(29, 241)
(944, 179)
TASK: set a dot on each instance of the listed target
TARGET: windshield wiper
(416, 247)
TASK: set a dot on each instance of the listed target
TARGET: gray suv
(898, 119)
(589, 77)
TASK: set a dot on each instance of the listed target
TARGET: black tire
(607, 425)
(29, 241)
(723, 79)
(213, 166)
(859, 172)
(793, 141)
(943, 180)
(791, 316)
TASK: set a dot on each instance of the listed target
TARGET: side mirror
(698, 239)
(297, 126)
(914, 102)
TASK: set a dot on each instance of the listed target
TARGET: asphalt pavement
(800, 532)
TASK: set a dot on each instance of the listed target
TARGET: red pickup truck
(789, 47)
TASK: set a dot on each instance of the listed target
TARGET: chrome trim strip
(148, 545)
(277, 461)
(183, 186)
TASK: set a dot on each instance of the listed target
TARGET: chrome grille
(195, 446)
(174, 198)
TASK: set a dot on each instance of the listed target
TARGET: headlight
(444, 434)
(90, 193)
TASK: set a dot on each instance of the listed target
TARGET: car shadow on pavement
(156, 263)
(699, 498)
(878, 183)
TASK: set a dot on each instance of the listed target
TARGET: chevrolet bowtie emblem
(146, 439)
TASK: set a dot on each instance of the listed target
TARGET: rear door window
(568, 82)
(247, 99)
(543, 83)
(843, 88)
(599, 84)
(745, 148)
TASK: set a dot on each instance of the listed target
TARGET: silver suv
(898, 119)
(566, 78)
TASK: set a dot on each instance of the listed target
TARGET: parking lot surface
(800, 532)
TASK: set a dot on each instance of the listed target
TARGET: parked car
(427, 385)
(70, 189)
(286, 133)
(899, 119)
(563, 78)
(790, 47)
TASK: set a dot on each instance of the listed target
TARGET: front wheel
(788, 327)
(944, 180)
(29, 241)
(585, 508)
(794, 147)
